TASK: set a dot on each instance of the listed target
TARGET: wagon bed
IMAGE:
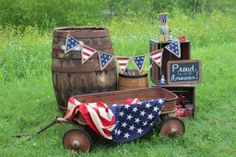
(118, 97)
(80, 140)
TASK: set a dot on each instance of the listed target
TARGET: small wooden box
(167, 56)
(188, 91)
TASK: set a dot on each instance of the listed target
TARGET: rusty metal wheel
(77, 140)
(172, 127)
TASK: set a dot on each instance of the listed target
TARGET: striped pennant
(156, 56)
(123, 62)
(87, 52)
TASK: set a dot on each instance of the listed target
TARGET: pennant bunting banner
(71, 43)
(87, 52)
(139, 60)
(123, 62)
(156, 56)
(104, 59)
(174, 48)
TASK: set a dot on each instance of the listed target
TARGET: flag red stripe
(89, 48)
(106, 122)
(122, 58)
(122, 64)
(88, 119)
(86, 54)
(155, 52)
(159, 63)
(157, 58)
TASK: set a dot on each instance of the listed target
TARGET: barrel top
(132, 73)
(133, 76)
(81, 32)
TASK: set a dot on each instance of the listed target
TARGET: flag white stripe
(85, 57)
(104, 114)
(122, 61)
(71, 106)
(156, 55)
(157, 60)
(122, 67)
(97, 122)
(88, 51)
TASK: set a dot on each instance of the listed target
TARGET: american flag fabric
(135, 120)
(139, 60)
(87, 52)
(156, 56)
(174, 48)
(123, 62)
(71, 43)
(118, 122)
(104, 59)
(97, 115)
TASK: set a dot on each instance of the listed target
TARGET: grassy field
(28, 102)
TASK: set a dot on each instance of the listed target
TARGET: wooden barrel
(71, 77)
(132, 80)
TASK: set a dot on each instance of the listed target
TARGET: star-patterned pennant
(139, 60)
(156, 56)
(104, 59)
(123, 62)
(71, 43)
(87, 52)
(174, 48)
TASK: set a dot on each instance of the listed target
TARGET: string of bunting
(105, 58)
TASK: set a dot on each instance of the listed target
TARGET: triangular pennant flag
(174, 48)
(123, 62)
(104, 59)
(139, 60)
(87, 52)
(156, 56)
(71, 43)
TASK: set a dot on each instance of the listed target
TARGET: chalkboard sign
(184, 72)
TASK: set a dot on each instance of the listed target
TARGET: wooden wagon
(80, 140)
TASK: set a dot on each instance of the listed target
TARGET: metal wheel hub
(172, 127)
(77, 140)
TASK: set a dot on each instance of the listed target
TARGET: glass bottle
(163, 28)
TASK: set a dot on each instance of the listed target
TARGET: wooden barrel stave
(70, 76)
(67, 84)
(69, 65)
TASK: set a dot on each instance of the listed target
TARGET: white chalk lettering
(183, 78)
(187, 69)
(174, 66)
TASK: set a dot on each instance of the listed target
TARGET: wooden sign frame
(183, 61)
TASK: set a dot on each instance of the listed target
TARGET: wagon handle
(48, 126)
(55, 121)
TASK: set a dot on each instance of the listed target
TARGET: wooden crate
(186, 90)
(167, 56)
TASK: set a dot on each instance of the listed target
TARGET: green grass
(27, 100)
